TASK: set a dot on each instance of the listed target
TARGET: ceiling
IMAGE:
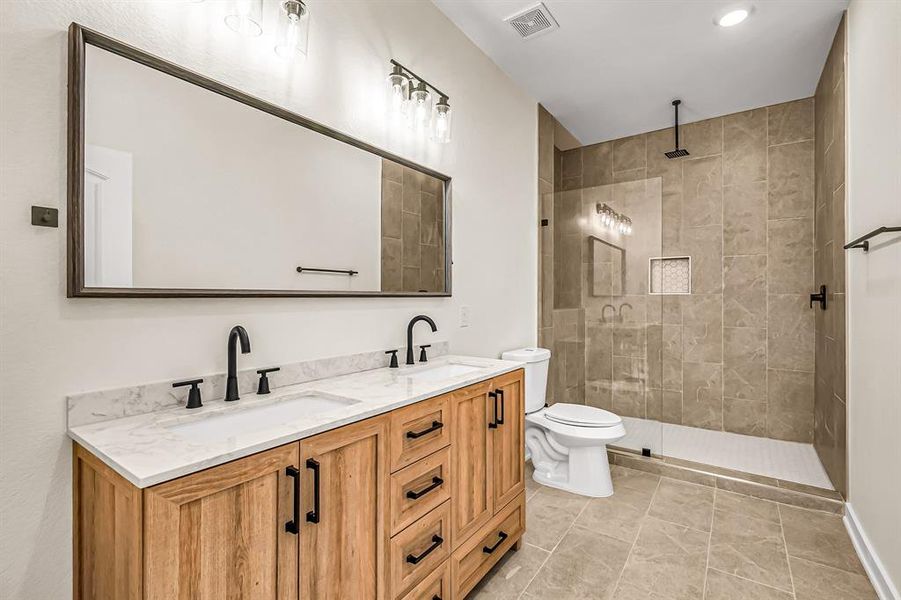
(613, 67)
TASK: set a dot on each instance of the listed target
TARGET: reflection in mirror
(187, 189)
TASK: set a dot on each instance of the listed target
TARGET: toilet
(566, 442)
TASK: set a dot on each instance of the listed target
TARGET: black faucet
(413, 322)
(231, 384)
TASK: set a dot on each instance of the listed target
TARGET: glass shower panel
(622, 225)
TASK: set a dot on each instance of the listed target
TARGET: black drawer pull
(436, 481)
(313, 515)
(292, 525)
(437, 540)
(436, 425)
(501, 536)
(498, 417)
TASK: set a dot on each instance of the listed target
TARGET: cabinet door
(471, 465)
(344, 511)
(221, 533)
(507, 443)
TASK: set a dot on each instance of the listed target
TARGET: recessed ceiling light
(733, 17)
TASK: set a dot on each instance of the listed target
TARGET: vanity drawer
(417, 489)
(436, 586)
(419, 430)
(417, 550)
(478, 554)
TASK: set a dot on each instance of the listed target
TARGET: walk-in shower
(693, 323)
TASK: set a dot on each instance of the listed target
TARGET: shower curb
(748, 484)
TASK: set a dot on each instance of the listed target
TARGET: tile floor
(791, 461)
(662, 539)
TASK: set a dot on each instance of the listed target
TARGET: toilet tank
(536, 366)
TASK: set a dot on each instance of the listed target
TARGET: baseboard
(883, 585)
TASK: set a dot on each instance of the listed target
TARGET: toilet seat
(577, 434)
(579, 415)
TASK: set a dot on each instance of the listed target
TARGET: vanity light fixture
(413, 97)
(245, 17)
(613, 220)
(293, 29)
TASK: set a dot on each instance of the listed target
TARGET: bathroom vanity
(384, 484)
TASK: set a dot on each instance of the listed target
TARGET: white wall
(874, 278)
(52, 346)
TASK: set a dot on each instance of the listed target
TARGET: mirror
(181, 186)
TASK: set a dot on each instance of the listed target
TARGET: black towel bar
(350, 272)
(862, 242)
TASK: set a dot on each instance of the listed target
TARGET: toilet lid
(581, 416)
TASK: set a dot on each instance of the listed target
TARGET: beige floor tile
(818, 537)
(619, 515)
(683, 503)
(630, 478)
(746, 505)
(584, 566)
(510, 576)
(722, 586)
(549, 514)
(749, 548)
(819, 582)
(668, 560)
(532, 486)
(627, 591)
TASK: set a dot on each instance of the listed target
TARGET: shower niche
(669, 275)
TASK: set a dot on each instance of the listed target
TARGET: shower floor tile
(789, 461)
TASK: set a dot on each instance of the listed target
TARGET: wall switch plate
(43, 216)
(464, 316)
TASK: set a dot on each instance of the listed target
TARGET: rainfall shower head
(678, 152)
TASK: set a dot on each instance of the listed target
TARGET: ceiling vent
(533, 21)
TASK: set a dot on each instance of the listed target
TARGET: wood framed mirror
(181, 186)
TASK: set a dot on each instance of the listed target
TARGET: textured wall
(830, 428)
(738, 353)
(53, 346)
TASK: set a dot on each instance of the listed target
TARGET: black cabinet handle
(436, 481)
(498, 420)
(501, 536)
(292, 525)
(313, 515)
(436, 425)
(437, 540)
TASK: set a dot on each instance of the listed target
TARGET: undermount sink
(446, 371)
(249, 420)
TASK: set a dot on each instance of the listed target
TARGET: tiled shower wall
(412, 230)
(829, 265)
(738, 353)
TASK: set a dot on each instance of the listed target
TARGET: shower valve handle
(821, 298)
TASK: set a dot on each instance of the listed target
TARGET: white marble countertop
(151, 448)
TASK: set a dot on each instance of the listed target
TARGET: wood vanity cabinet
(344, 519)
(415, 504)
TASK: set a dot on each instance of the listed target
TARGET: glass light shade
(398, 88)
(245, 17)
(441, 121)
(420, 110)
(293, 29)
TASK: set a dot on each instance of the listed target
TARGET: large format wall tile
(791, 180)
(702, 395)
(744, 147)
(744, 363)
(790, 405)
(744, 291)
(744, 218)
(702, 201)
(790, 256)
(791, 121)
(790, 332)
